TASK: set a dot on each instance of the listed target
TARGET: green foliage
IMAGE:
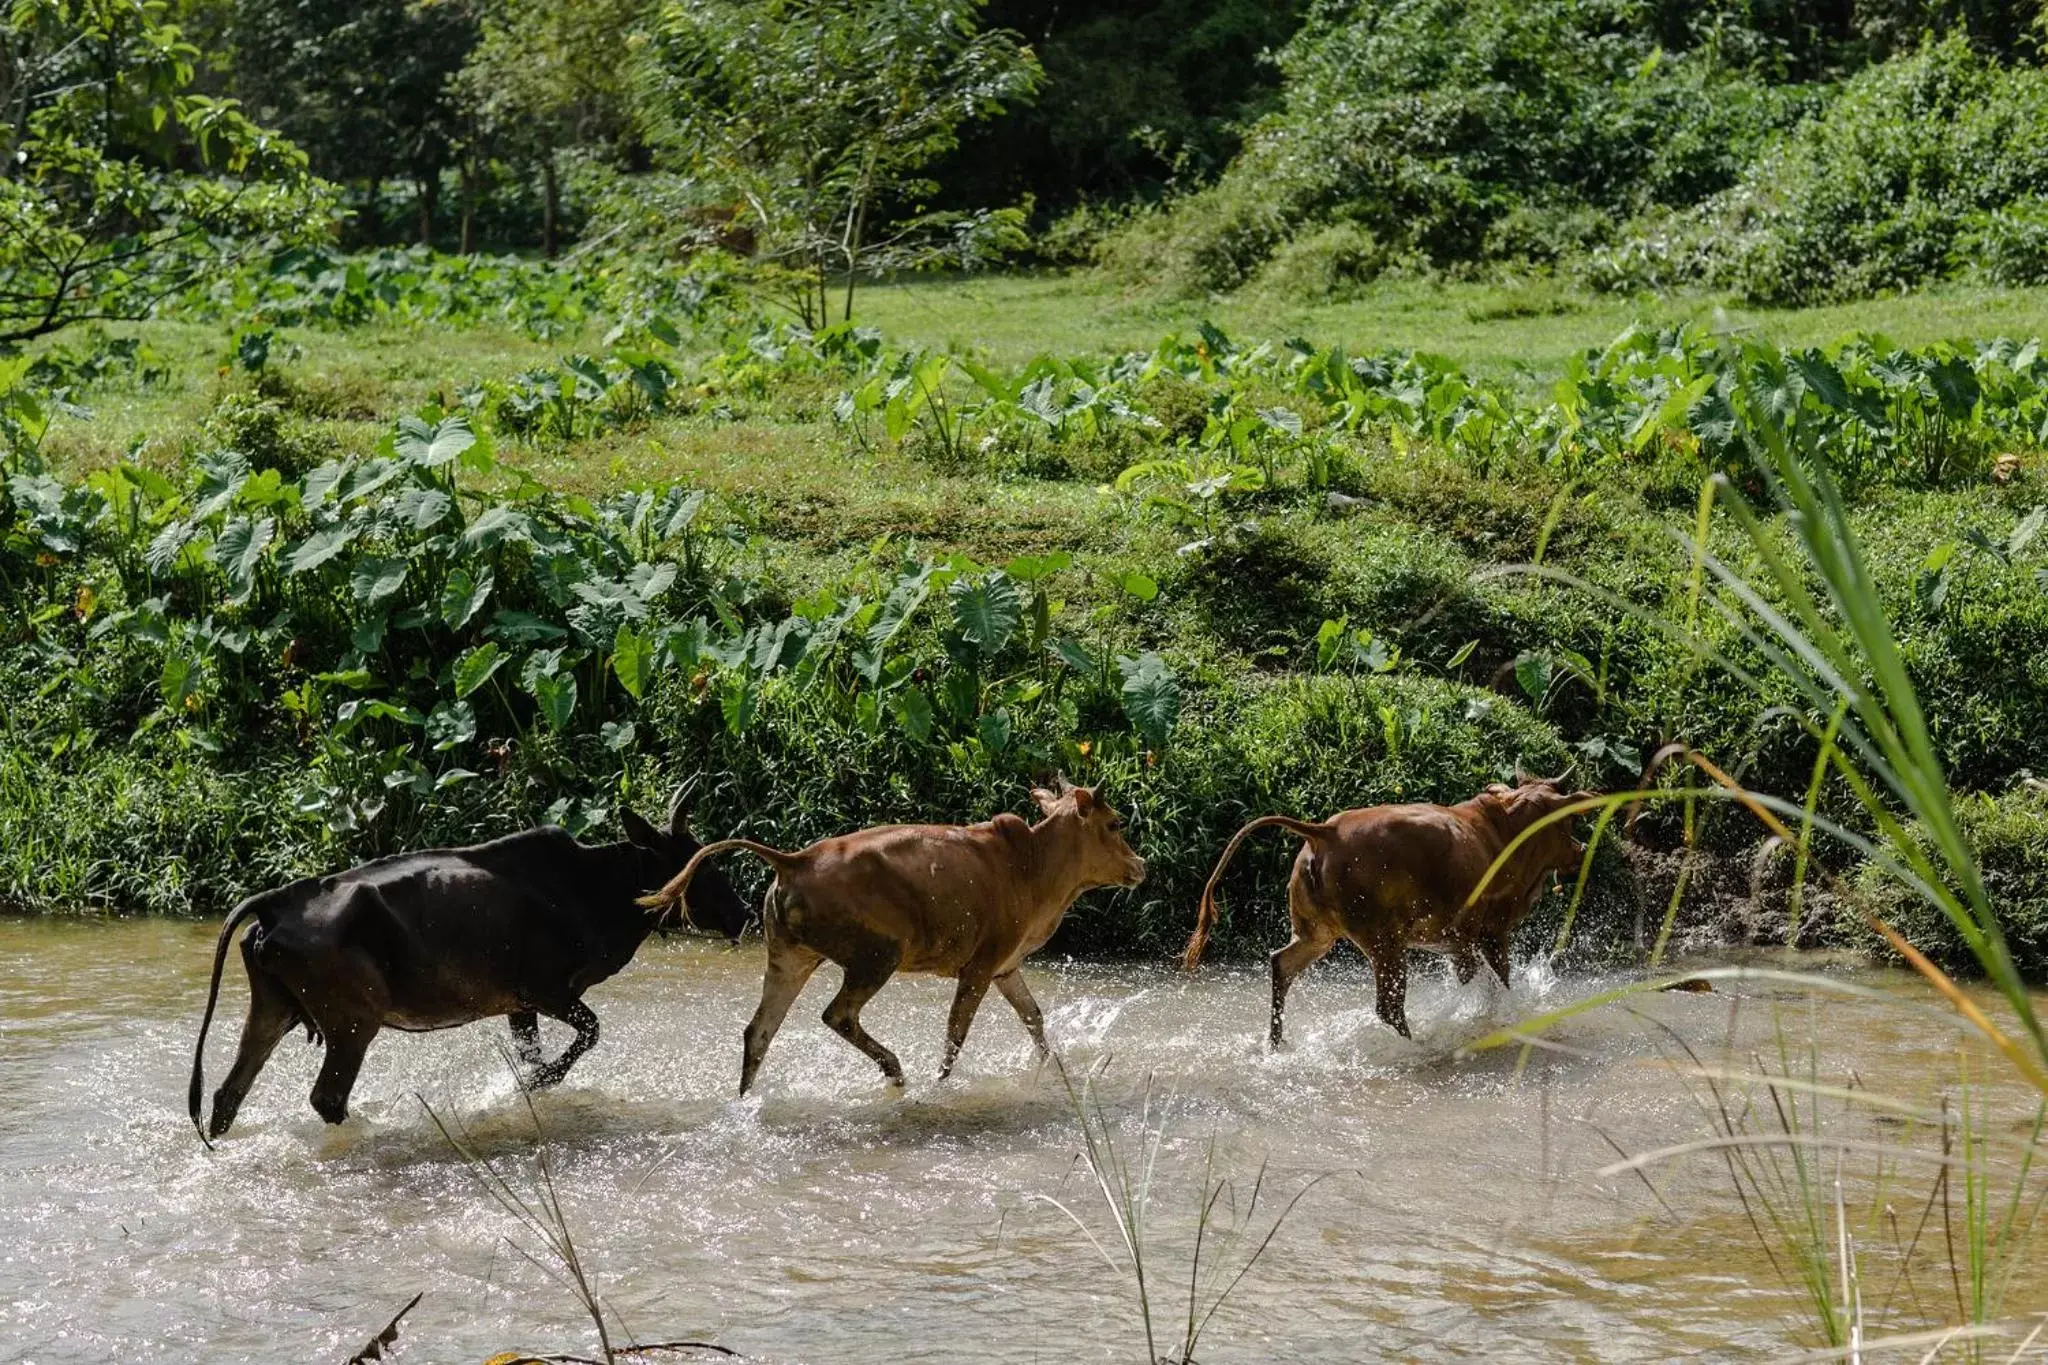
(1913, 159)
(820, 117)
(1426, 122)
(118, 182)
(2009, 836)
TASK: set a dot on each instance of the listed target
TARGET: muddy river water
(828, 1218)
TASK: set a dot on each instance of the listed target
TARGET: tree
(546, 75)
(365, 86)
(118, 185)
(820, 116)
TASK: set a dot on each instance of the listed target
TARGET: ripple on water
(829, 1217)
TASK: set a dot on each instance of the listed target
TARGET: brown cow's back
(949, 895)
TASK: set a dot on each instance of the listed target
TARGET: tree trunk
(370, 222)
(468, 205)
(430, 197)
(551, 204)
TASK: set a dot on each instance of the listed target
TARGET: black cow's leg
(1465, 963)
(966, 1000)
(789, 966)
(578, 1016)
(525, 1036)
(346, 1044)
(1011, 984)
(271, 1015)
(865, 975)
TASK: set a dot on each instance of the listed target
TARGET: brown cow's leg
(577, 1016)
(1390, 985)
(271, 1016)
(1304, 950)
(525, 1036)
(789, 966)
(865, 975)
(1496, 951)
(1011, 984)
(966, 1000)
(346, 1044)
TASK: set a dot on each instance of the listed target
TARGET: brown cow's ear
(1084, 798)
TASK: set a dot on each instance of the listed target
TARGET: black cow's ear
(638, 831)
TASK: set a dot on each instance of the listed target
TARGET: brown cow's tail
(672, 893)
(1206, 918)
(220, 955)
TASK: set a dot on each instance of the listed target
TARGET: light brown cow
(1391, 878)
(965, 901)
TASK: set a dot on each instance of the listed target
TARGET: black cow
(521, 926)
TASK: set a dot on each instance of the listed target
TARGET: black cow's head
(711, 902)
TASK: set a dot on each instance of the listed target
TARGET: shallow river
(830, 1219)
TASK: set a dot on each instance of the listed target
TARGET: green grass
(806, 508)
(1498, 328)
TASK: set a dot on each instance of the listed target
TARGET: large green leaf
(376, 578)
(422, 509)
(238, 549)
(464, 595)
(475, 668)
(914, 713)
(451, 723)
(555, 694)
(428, 446)
(633, 661)
(319, 547)
(987, 611)
(1151, 696)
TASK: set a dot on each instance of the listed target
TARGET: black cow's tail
(672, 893)
(1191, 956)
(220, 954)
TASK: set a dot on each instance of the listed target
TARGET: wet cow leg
(525, 1036)
(866, 974)
(1011, 984)
(272, 1013)
(578, 1016)
(789, 966)
(966, 1000)
(346, 1045)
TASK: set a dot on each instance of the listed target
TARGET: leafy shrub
(2009, 244)
(258, 429)
(1429, 122)
(1328, 264)
(1875, 191)
(2009, 835)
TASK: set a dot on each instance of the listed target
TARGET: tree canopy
(118, 182)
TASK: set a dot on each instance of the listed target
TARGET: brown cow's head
(1104, 858)
(1514, 809)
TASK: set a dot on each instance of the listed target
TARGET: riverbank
(290, 596)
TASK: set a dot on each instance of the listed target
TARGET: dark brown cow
(521, 926)
(965, 901)
(1391, 878)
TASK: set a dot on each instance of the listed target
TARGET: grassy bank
(836, 580)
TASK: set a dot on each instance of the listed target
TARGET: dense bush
(2009, 834)
(1428, 122)
(1879, 190)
